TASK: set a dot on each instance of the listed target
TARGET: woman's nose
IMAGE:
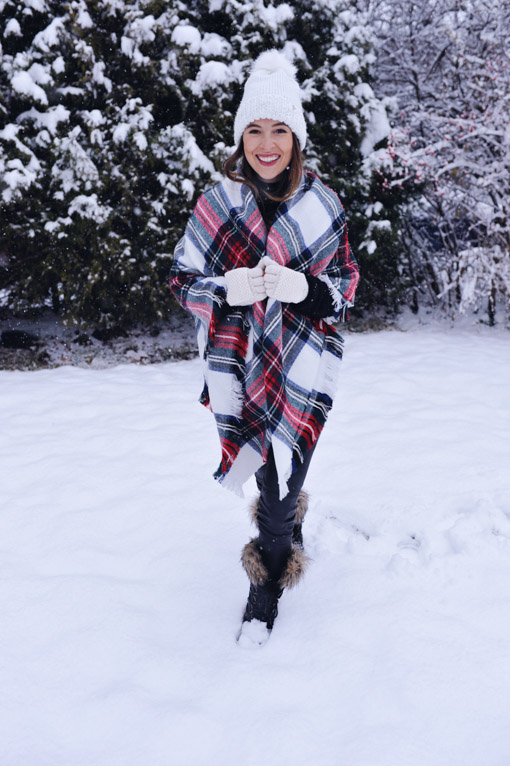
(267, 141)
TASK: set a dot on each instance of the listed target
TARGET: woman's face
(268, 147)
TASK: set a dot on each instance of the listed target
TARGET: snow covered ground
(121, 591)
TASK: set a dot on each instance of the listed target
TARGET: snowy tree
(452, 135)
(104, 177)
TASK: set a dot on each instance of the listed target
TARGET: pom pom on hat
(271, 92)
(273, 61)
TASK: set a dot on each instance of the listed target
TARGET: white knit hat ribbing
(271, 92)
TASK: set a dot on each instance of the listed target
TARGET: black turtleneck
(319, 301)
(267, 206)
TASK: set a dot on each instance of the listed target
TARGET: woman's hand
(245, 286)
(283, 284)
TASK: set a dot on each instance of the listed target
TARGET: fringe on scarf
(340, 305)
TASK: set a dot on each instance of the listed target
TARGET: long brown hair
(238, 169)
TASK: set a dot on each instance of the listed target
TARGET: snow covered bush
(447, 64)
(99, 171)
(115, 115)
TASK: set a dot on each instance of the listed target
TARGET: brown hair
(238, 169)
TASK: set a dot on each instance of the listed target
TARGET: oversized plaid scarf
(270, 373)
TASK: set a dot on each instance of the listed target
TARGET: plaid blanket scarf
(270, 373)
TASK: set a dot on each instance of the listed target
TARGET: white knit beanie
(271, 93)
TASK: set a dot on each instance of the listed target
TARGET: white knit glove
(282, 283)
(245, 286)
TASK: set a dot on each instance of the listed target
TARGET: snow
(195, 158)
(185, 34)
(58, 65)
(143, 29)
(99, 76)
(49, 37)
(374, 208)
(75, 168)
(88, 206)
(253, 635)
(10, 132)
(12, 28)
(84, 20)
(17, 176)
(274, 16)
(188, 188)
(93, 117)
(349, 62)
(141, 118)
(356, 33)
(121, 591)
(140, 140)
(127, 46)
(23, 83)
(40, 74)
(212, 74)
(50, 119)
(213, 45)
(121, 132)
(377, 129)
(37, 5)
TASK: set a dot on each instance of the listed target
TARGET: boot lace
(263, 604)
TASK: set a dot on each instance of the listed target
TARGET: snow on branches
(451, 133)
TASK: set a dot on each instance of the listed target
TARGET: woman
(265, 268)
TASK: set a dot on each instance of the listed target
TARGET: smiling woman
(268, 159)
(270, 133)
(268, 148)
(265, 268)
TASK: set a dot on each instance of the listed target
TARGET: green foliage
(114, 116)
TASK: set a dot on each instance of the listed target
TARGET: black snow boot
(262, 605)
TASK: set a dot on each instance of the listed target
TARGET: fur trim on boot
(254, 567)
(251, 560)
(295, 569)
(301, 509)
(302, 506)
(253, 511)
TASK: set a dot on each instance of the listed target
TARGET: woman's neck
(275, 186)
(280, 179)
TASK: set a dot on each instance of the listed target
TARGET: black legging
(276, 517)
